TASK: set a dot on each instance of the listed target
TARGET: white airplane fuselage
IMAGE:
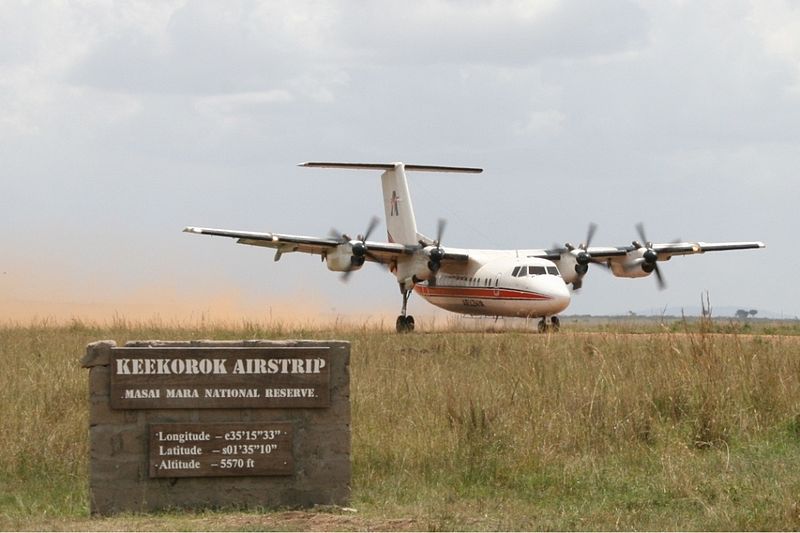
(487, 286)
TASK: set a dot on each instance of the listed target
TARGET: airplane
(499, 283)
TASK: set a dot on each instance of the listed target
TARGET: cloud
(543, 123)
(206, 48)
(492, 33)
(777, 23)
(233, 101)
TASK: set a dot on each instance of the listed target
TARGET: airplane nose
(559, 294)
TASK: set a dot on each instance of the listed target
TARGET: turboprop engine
(413, 269)
(574, 261)
(350, 254)
(435, 253)
(425, 262)
(346, 257)
(573, 265)
(639, 262)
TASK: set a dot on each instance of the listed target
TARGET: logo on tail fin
(394, 209)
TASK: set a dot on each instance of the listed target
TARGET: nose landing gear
(405, 323)
(554, 325)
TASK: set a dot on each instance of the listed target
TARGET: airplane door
(497, 286)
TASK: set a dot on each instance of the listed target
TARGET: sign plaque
(228, 449)
(220, 378)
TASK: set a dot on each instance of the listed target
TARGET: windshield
(534, 270)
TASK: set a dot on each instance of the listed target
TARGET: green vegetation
(682, 429)
(676, 324)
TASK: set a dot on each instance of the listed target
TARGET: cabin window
(537, 270)
(553, 271)
(515, 273)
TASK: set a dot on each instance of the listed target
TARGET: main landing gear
(554, 325)
(405, 323)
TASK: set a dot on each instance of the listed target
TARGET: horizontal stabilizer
(390, 166)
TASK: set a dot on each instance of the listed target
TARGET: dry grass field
(683, 429)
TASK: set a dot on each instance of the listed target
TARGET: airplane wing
(664, 250)
(380, 252)
(632, 261)
(667, 250)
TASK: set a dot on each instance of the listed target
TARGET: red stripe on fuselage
(486, 293)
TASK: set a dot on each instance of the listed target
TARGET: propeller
(582, 258)
(437, 254)
(650, 256)
(358, 248)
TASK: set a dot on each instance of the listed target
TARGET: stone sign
(218, 423)
(212, 378)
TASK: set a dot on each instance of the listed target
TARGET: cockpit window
(533, 270)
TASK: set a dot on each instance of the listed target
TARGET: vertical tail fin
(400, 222)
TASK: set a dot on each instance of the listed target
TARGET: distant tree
(741, 314)
(753, 312)
(705, 304)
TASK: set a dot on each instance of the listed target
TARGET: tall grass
(522, 415)
(480, 431)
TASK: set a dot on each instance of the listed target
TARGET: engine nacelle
(415, 268)
(572, 269)
(341, 259)
(635, 264)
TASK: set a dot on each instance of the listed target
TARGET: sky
(123, 122)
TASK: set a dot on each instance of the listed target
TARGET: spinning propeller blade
(650, 256)
(583, 257)
(437, 254)
(360, 249)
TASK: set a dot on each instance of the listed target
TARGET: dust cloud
(58, 297)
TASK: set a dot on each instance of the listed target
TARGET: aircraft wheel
(404, 324)
(556, 323)
(542, 326)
